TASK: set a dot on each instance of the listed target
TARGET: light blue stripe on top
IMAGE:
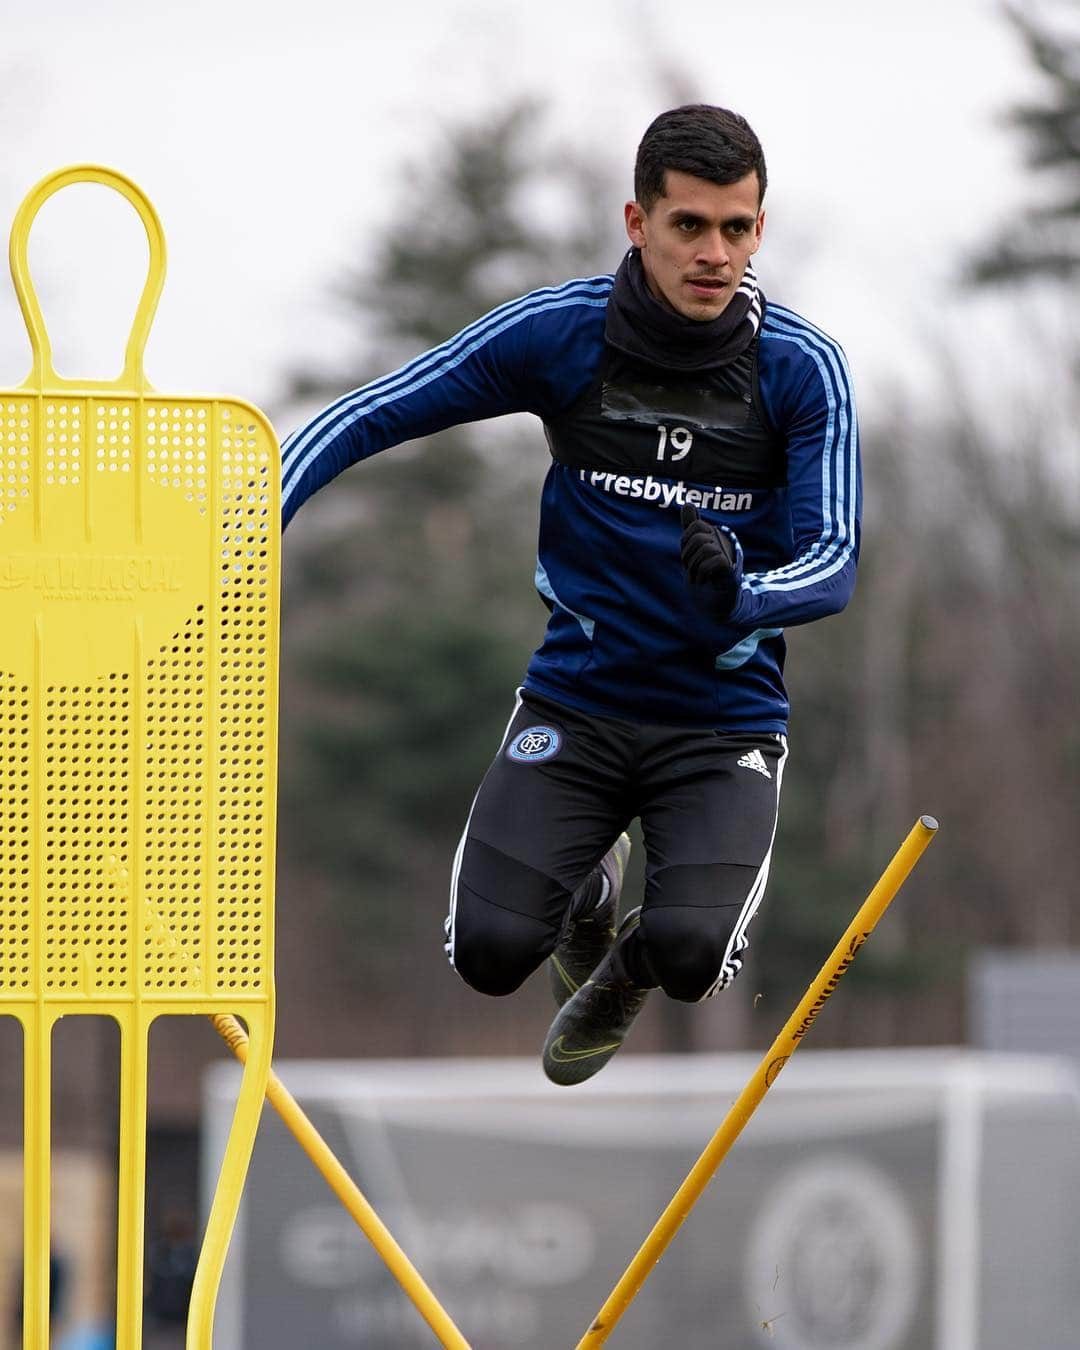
(742, 651)
(841, 436)
(830, 552)
(297, 442)
(305, 444)
(544, 586)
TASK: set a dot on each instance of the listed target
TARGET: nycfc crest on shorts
(535, 744)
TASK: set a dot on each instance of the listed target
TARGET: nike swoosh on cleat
(561, 971)
(561, 1056)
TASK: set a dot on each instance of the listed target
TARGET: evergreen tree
(1046, 243)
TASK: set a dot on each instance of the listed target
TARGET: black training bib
(699, 427)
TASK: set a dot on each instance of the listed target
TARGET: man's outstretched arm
(488, 369)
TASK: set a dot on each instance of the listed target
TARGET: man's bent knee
(495, 944)
(495, 950)
(686, 949)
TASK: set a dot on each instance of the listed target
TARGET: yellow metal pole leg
(37, 1128)
(785, 1045)
(230, 1185)
(131, 1207)
(347, 1192)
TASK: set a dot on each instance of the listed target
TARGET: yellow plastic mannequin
(139, 543)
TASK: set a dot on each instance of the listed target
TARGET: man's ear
(634, 215)
(759, 230)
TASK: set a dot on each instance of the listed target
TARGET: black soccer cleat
(590, 926)
(591, 1025)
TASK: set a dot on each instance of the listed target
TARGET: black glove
(712, 559)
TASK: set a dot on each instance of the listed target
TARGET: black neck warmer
(639, 325)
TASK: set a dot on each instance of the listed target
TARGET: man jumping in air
(704, 494)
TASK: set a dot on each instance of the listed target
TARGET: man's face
(696, 240)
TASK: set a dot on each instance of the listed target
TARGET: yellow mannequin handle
(43, 374)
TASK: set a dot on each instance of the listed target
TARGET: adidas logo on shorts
(754, 759)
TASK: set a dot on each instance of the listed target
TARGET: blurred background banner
(343, 186)
(904, 1200)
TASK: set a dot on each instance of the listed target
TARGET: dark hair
(710, 143)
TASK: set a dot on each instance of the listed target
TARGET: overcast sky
(267, 134)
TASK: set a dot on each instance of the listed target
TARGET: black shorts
(562, 788)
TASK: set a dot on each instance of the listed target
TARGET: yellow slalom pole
(347, 1192)
(785, 1045)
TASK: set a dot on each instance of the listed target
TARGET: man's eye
(687, 226)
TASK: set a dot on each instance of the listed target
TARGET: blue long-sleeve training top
(775, 460)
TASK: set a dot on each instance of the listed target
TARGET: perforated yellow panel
(138, 604)
(138, 691)
(16, 430)
(16, 845)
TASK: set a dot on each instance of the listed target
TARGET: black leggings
(562, 788)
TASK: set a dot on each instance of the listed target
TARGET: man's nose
(712, 249)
